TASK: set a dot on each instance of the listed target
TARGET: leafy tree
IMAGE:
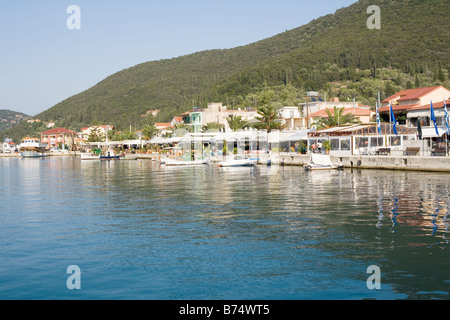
(149, 131)
(268, 119)
(95, 135)
(130, 135)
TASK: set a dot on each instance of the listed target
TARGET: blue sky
(42, 62)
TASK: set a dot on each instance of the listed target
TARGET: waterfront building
(411, 102)
(164, 128)
(363, 115)
(315, 104)
(292, 118)
(364, 139)
(101, 130)
(214, 113)
(54, 137)
(407, 99)
(8, 146)
(422, 113)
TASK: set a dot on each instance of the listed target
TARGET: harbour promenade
(412, 163)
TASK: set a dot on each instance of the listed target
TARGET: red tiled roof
(57, 131)
(163, 125)
(405, 107)
(411, 94)
(436, 105)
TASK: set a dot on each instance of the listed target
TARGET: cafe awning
(431, 132)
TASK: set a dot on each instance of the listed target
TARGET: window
(395, 141)
(345, 144)
(361, 142)
(334, 144)
(376, 142)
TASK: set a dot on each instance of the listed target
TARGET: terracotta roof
(163, 125)
(57, 131)
(436, 105)
(411, 94)
(398, 108)
(355, 112)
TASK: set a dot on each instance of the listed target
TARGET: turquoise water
(140, 231)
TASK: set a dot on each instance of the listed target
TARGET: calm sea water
(140, 231)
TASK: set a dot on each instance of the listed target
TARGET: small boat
(94, 155)
(32, 148)
(109, 155)
(89, 156)
(129, 157)
(321, 162)
(239, 161)
(176, 162)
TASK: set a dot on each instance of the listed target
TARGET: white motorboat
(89, 156)
(32, 148)
(321, 162)
(239, 161)
(94, 155)
(180, 162)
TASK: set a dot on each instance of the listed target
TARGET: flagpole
(390, 123)
(447, 125)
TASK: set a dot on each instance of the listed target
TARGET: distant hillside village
(342, 127)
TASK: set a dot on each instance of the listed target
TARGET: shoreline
(399, 163)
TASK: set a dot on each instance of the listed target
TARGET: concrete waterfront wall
(416, 163)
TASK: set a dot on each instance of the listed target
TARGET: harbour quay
(410, 163)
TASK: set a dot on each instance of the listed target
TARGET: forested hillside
(337, 55)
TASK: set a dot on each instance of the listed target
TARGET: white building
(215, 113)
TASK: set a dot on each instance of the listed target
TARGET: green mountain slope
(413, 39)
(9, 119)
(336, 53)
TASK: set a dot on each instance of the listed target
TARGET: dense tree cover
(336, 54)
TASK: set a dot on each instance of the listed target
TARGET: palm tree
(212, 127)
(336, 119)
(180, 129)
(237, 122)
(149, 131)
(268, 119)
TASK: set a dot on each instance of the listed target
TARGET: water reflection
(258, 233)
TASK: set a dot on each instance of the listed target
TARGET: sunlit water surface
(141, 231)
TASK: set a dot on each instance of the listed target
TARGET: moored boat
(321, 162)
(109, 155)
(32, 148)
(238, 161)
(177, 162)
(89, 156)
